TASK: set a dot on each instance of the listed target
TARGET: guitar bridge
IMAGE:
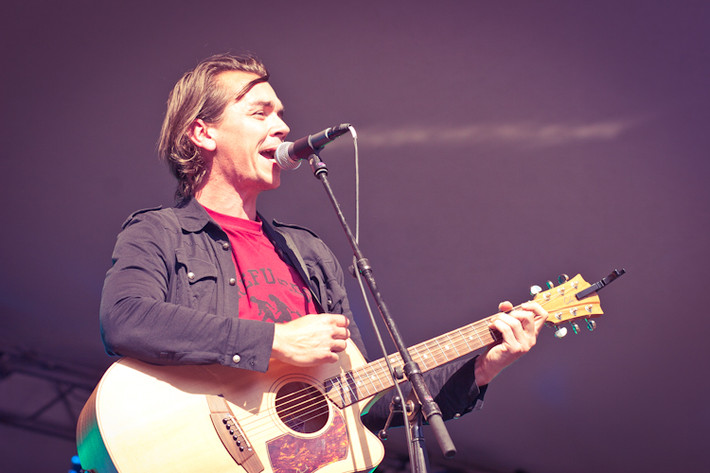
(232, 436)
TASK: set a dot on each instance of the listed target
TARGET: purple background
(502, 143)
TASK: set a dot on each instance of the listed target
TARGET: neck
(228, 202)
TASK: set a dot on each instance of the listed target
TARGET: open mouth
(268, 153)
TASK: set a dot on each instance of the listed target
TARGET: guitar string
(304, 397)
(300, 406)
(354, 373)
(297, 408)
(305, 408)
(305, 412)
(378, 367)
(322, 407)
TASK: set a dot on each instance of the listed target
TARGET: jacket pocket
(199, 277)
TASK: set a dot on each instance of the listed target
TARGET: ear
(201, 135)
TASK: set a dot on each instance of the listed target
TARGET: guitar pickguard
(293, 454)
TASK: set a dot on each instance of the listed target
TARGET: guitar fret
(336, 392)
(350, 382)
(453, 344)
(441, 349)
(374, 376)
(343, 389)
(368, 376)
(377, 373)
(419, 357)
(467, 333)
(395, 361)
(461, 335)
(475, 330)
(360, 385)
(423, 356)
(426, 345)
(328, 386)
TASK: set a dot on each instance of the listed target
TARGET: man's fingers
(540, 316)
(339, 324)
(518, 329)
(509, 323)
(511, 335)
(505, 306)
(338, 346)
(338, 320)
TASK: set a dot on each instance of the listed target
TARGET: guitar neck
(374, 378)
(572, 300)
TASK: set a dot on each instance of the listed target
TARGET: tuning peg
(549, 284)
(562, 278)
(560, 332)
(575, 327)
(535, 290)
(591, 325)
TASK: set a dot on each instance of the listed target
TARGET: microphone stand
(425, 406)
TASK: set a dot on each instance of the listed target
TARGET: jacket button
(191, 276)
(232, 281)
(236, 359)
(225, 246)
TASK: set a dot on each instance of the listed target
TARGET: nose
(280, 128)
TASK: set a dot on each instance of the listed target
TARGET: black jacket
(171, 297)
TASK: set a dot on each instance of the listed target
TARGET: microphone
(289, 155)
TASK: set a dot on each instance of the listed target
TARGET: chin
(275, 180)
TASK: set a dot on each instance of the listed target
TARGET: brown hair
(198, 95)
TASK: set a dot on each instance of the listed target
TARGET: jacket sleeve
(140, 318)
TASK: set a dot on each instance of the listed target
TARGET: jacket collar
(192, 216)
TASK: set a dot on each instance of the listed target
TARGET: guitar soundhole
(302, 407)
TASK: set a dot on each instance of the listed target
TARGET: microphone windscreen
(283, 159)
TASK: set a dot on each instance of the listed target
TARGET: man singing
(211, 281)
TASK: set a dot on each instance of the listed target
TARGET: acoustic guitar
(144, 418)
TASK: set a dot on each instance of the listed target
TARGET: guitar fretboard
(375, 377)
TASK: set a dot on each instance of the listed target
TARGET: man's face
(247, 135)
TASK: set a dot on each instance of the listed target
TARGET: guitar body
(144, 418)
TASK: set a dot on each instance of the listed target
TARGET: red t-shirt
(272, 290)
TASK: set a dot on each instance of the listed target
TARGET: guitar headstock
(562, 305)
